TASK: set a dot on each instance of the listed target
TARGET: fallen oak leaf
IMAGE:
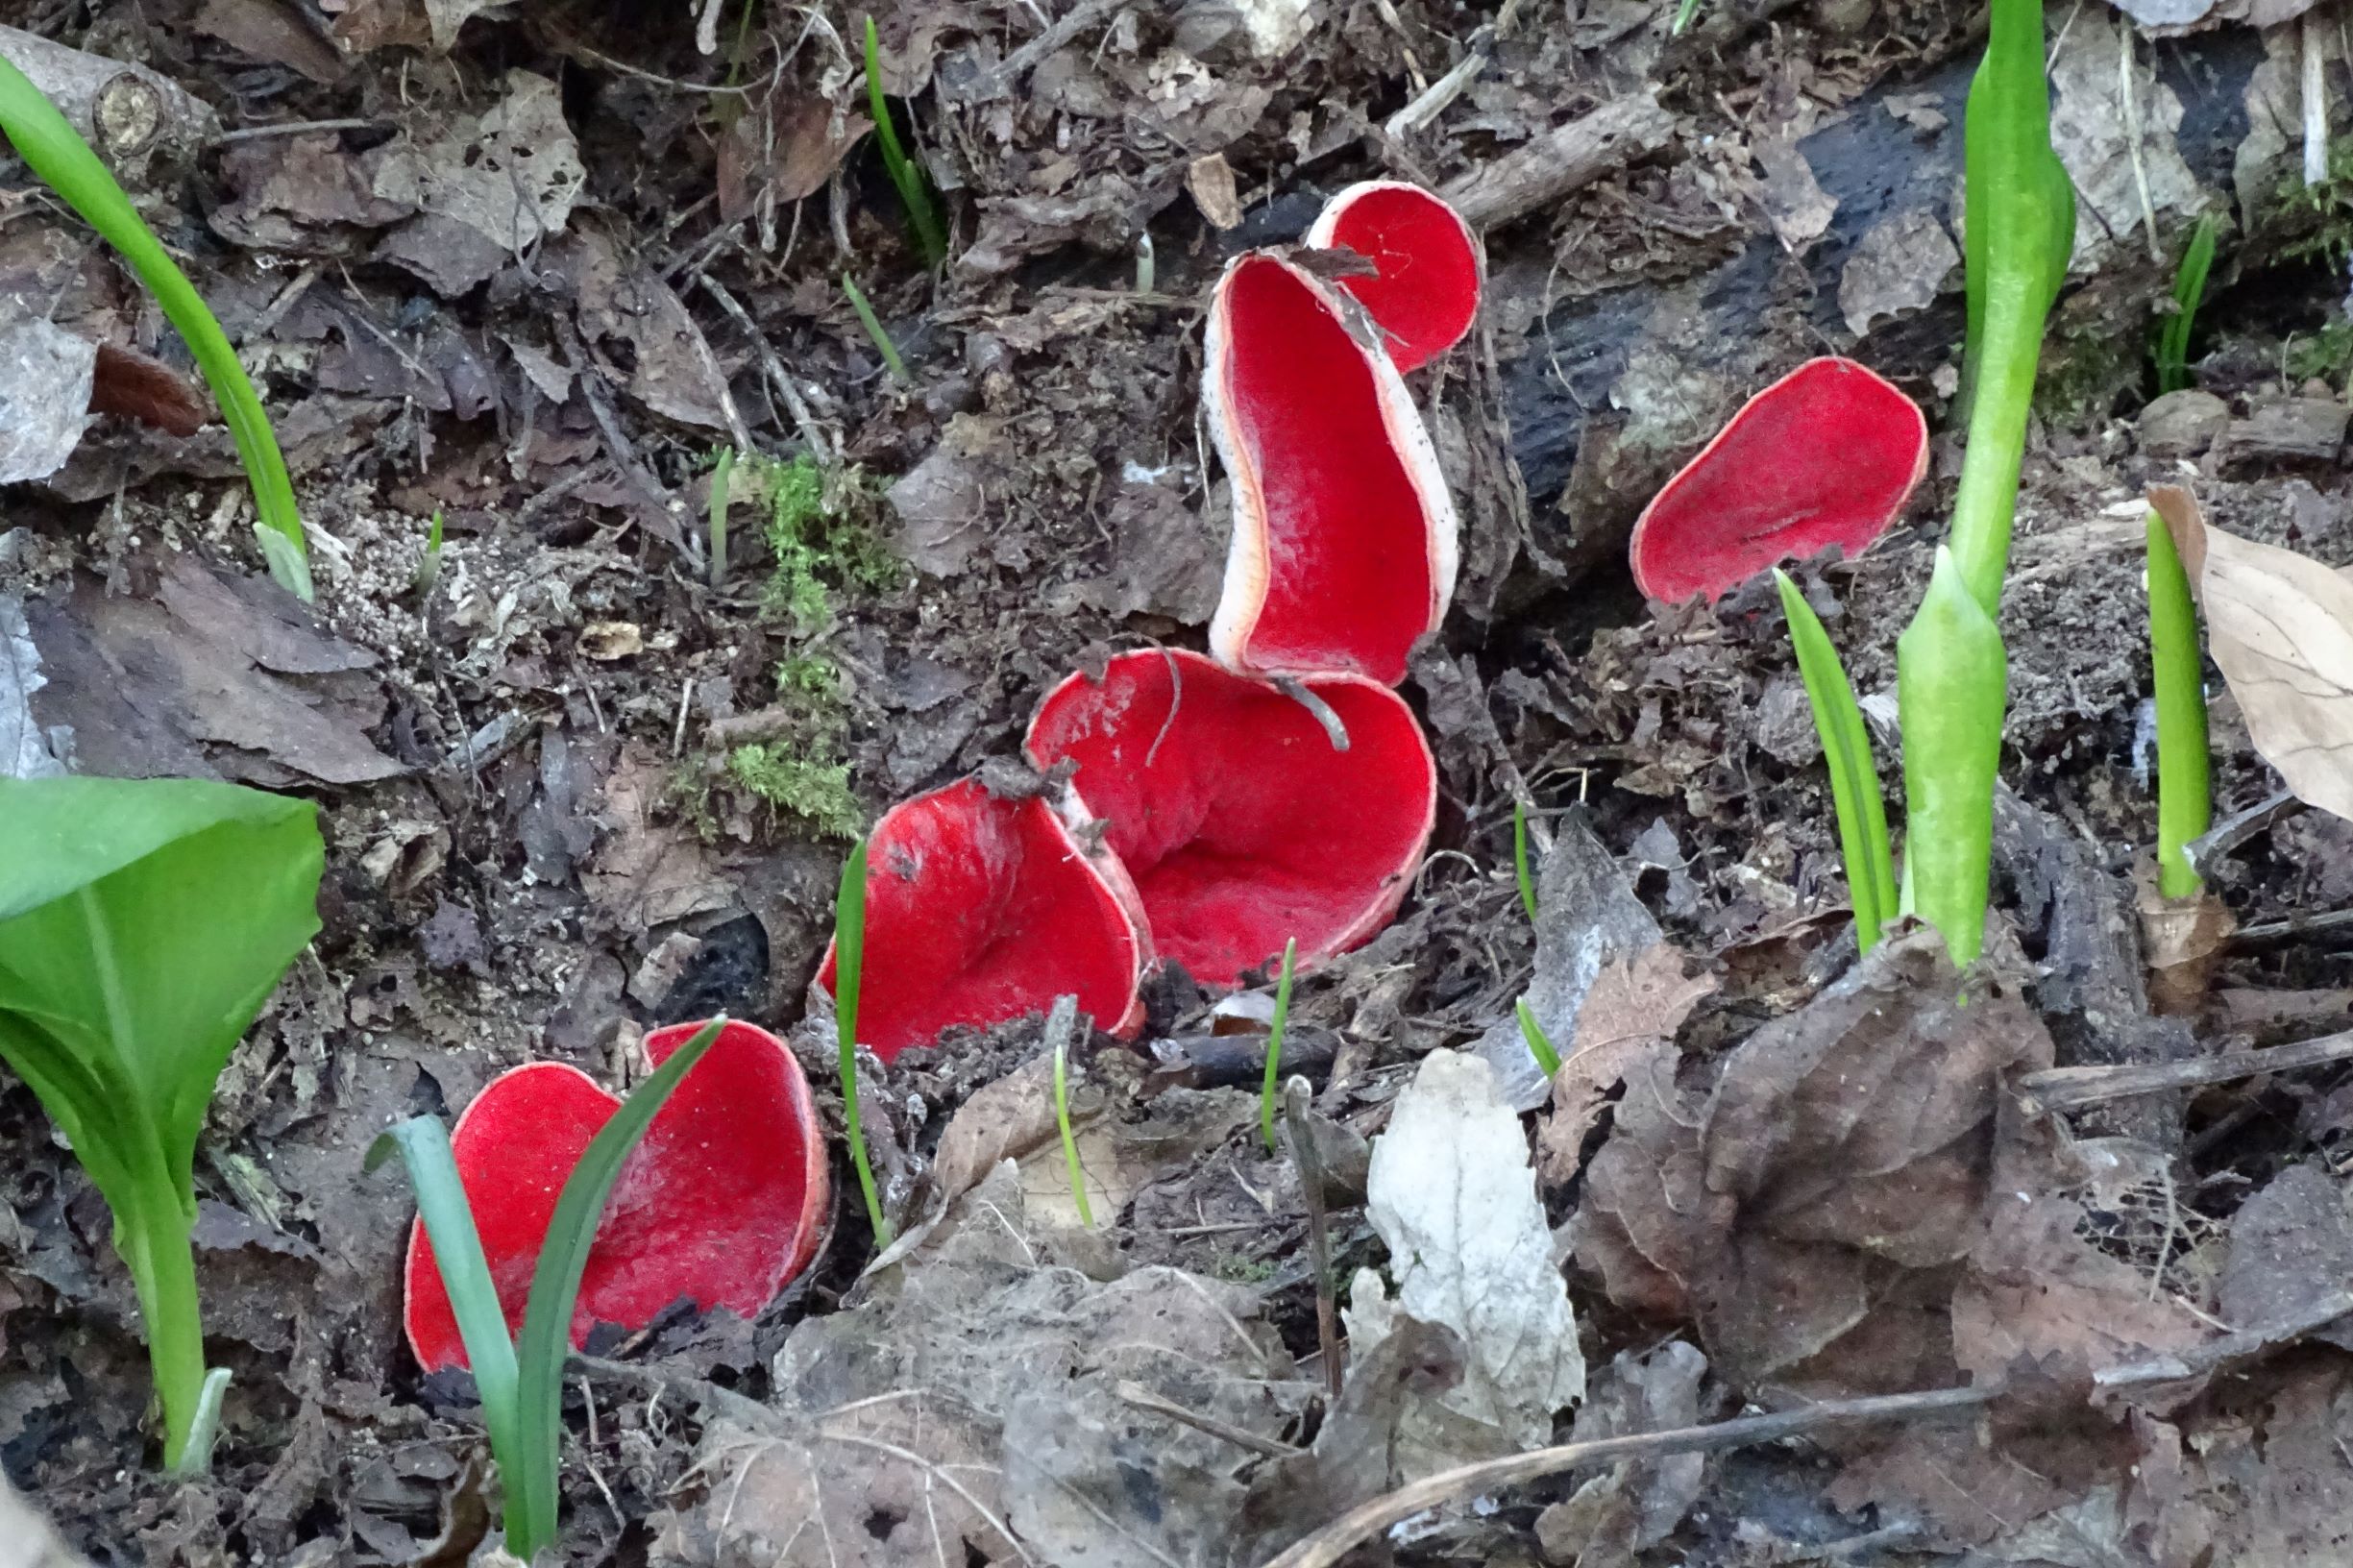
(2280, 627)
(1631, 1012)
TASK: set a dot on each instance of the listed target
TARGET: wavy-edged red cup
(980, 910)
(1428, 266)
(1344, 550)
(1240, 822)
(1828, 455)
(722, 1204)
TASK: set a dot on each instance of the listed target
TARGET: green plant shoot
(2189, 292)
(875, 331)
(1952, 706)
(1539, 1043)
(1855, 777)
(1070, 1140)
(1274, 1042)
(1684, 16)
(906, 174)
(143, 923)
(848, 961)
(65, 163)
(522, 1381)
(723, 473)
(1950, 673)
(428, 563)
(1519, 860)
(2185, 799)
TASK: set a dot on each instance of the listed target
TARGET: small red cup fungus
(979, 910)
(1423, 292)
(1826, 455)
(1241, 822)
(1344, 549)
(723, 1201)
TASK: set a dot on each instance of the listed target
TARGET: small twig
(2294, 926)
(2070, 1088)
(2315, 100)
(1322, 711)
(617, 444)
(811, 431)
(1319, 1232)
(2206, 852)
(2225, 1348)
(1135, 1394)
(1335, 1540)
(547, 499)
(295, 128)
(1016, 64)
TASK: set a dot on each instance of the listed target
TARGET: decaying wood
(137, 119)
(1567, 158)
(2070, 1089)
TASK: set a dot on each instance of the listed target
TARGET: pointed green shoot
(1855, 777)
(848, 964)
(906, 174)
(2185, 798)
(65, 163)
(2189, 292)
(1952, 683)
(1539, 1043)
(1274, 1044)
(1061, 1120)
(1519, 860)
(2021, 230)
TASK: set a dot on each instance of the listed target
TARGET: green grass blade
(1274, 1042)
(849, 966)
(872, 324)
(532, 1483)
(1539, 1043)
(913, 186)
(56, 152)
(422, 1144)
(723, 475)
(1855, 777)
(2189, 293)
(1519, 860)
(1683, 14)
(2185, 784)
(1061, 1114)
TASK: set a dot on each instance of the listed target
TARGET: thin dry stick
(2225, 1348)
(2070, 1089)
(1335, 1540)
(779, 379)
(1295, 1093)
(1135, 1394)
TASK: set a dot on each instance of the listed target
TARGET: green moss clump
(823, 534)
(2327, 354)
(816, 794)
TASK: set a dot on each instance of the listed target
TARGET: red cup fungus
(722, 1204)
(979, 910)
(1343, 550)
(1240, 822)
(1428, 267)
(1826, 455)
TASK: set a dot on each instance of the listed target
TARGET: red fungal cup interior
(980, 910)
(722, 1203)
(1826, 455)
(1240, 824)
(1424, 292)
(1335, 567)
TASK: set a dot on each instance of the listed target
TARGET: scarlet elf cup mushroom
(1283, 791)
(1826, 455)
(722, 1204)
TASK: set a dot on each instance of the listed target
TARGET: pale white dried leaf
(1454, 1198)
(2280, 627)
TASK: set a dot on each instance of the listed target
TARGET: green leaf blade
(1951, 684)
(1855, 775)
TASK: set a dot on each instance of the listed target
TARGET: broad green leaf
(143, 922)
(1952, 683)
(1855, 777)
(532, 1490)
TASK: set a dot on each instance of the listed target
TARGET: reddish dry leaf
(1632, 1013)
(137, 386)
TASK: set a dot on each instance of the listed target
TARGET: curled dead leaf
(1630, 1014)
(2280, 627)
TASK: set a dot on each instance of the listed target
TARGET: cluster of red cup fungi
(1201, 810)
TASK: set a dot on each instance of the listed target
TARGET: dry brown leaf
(1634, 1010)
(2182, 939)
(2280, 626)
